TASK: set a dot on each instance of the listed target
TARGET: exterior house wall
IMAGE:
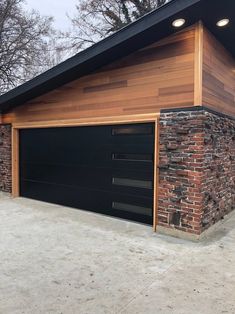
(5, 158)
(196, 183)
(219, 168)
(197, 169)
(158, 76)
(218, 76)
(181, 170)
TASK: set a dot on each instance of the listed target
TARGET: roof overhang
(148, 29)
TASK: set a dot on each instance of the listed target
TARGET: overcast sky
(56, 8)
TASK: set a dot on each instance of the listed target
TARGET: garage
(106, 169)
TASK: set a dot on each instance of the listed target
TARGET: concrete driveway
(60, 260)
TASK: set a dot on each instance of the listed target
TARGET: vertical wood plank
(198, 65)
(156, 175)
(15, 163)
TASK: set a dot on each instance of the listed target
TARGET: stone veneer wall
(5, 158)
(197, 169)
(219, 169)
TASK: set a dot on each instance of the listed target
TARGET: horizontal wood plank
(156, 77)
(104, 87)
(218, 76)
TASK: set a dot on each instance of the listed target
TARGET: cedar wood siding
(159, 76)
(218, 90)
(162, 76)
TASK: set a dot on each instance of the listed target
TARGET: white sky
(55, 8)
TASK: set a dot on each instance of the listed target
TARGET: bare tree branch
(96, 19)
(26, 42)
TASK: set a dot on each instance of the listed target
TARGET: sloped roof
(148, 29)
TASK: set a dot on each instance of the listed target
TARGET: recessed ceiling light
(178, 22)
(223, 22)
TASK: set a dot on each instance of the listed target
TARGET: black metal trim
(198, 108)
(220, 114)
(193, 108)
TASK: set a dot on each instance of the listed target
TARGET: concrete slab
(61, 260)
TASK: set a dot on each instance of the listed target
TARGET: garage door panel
(87, 176)
(68, 175)
(115, 165)
(64, 141)
(112, 159)
(115, 156)
(108, 169)
(105, 202)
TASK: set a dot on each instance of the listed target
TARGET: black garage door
(106, 169)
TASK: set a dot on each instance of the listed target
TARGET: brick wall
(196, 169)
(219, 169)
(5, 158)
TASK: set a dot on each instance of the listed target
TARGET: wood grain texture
(198, 63)
(15, 163)
(141, 118)
(103, 87)
(158, 76)
(218, 90)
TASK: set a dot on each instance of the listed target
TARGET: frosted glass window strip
(133, 183)
(132, 157)
(132, 130)
(132, 208)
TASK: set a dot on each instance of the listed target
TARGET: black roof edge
(196, 109)
(58, 75)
